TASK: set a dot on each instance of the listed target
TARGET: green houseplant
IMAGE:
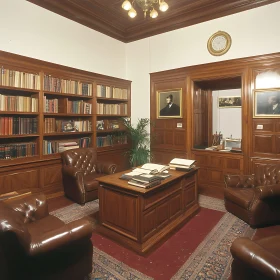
(140, 141)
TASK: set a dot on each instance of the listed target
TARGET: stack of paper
(181, 164)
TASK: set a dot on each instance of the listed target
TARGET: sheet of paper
(153, 166)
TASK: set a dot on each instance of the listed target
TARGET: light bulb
(153, 13)
(132, 13)
(163, 6)
(126, 5)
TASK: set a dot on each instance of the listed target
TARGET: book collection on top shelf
(74, 113)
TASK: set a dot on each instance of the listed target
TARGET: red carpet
(163, 263)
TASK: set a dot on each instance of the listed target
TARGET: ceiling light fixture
(146, 6)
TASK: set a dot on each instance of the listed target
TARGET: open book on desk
(148, 168)
(181, 164)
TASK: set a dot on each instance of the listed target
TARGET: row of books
(110, 140)
(111, 92)
(111, 109)
(18, 125)
(54, 125)
(52, 105)
(79, 107)
(53, 146)
(66, 86)
(109, 124)
(19, 79)
(18, 103)
(9, 151)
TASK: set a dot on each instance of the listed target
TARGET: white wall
(226, 120)
(32, 31)
(254, 32)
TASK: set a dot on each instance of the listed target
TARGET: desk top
(114, 180)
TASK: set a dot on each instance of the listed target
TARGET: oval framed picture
(219, 43)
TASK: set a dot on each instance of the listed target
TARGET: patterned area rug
(210, 260)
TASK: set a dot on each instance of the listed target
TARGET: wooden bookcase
(46, 108)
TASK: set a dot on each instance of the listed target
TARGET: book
(144, 184)
(154, 168)
(146, 178)
(185, 169)
(181, 163)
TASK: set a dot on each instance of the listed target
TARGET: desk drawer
(161, 193)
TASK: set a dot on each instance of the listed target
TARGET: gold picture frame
(229, 102)
(169, 103)
(267, 103)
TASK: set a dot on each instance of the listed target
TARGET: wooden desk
(141, 218)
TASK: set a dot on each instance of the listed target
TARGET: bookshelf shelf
(67, 115)
(111, 99)
(110, 130)
(19, 136)
(18, 113)
(111, 115)
(18, 89)
(50, 93)
(68, 133)
(18, 161)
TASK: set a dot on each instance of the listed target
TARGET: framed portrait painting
(169, 103)
(267, 103)
(229, 102)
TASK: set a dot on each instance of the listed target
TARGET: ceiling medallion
(146, 6)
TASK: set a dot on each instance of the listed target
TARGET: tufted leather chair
(80, 168)
(36, 245)
(258, 260)
(255, 198)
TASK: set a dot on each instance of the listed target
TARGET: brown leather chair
(80, 169)
(255, 198)
(258, 260)
(36, 245)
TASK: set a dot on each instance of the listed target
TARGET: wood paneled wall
(258, 146)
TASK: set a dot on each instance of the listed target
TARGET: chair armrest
(105, 167)
(268, 191)
(239, 181)
(74, 231)
(256, 257)
(71, 171)
(33, 207)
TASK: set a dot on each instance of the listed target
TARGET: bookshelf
(112, 104)
(46, 108)
(67, 113)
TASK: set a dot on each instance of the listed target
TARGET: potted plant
(140, 141)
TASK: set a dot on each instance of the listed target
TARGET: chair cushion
(241, 197)
(271, 244)
(44, 225)
(90, 183)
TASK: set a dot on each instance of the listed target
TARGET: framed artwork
(267, 103)
(169, 103)
(67, 126)
(229, 102)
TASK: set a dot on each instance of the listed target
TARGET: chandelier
(146, 6)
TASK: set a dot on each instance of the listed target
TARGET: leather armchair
(256, 259)
(36, 245)
(80, 168)
(255, 198)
